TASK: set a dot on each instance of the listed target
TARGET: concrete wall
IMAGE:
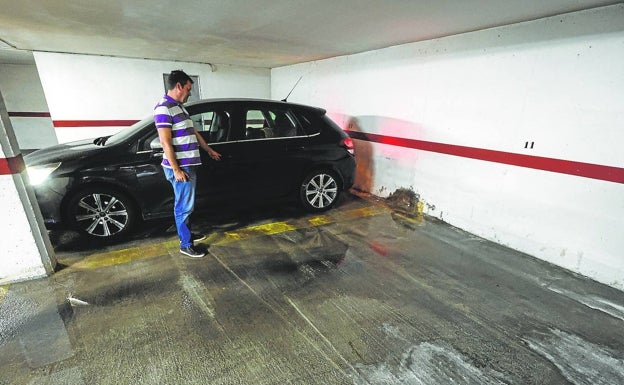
(90, 96)
(26, 251)
(492, 129)
(26, 105)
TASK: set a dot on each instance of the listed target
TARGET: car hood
(63, 152)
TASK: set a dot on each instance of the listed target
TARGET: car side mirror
(156, 147)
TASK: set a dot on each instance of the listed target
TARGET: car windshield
(126, 133)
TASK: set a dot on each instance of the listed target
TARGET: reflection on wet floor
(32, 327)
(364, 294)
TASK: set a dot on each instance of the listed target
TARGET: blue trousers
(184, 203)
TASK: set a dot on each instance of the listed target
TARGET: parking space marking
(320, 220)
(281, 227)
(132, 254)
(254, 231)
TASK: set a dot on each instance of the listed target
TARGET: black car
(271, 151)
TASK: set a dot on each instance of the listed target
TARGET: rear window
(271, 123)
(307, 121)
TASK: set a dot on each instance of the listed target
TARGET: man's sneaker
(197, 237)
(191, 252)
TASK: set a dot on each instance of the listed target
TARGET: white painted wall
(87, 88)
(22, 91)
(20, 258)
(557, 82)
(26, 251)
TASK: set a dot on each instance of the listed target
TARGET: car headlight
(38, 174)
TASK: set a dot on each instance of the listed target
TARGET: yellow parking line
(118, 257)
(320, 220)
(266, 229)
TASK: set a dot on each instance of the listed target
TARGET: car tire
(319, 191)
(102, 213)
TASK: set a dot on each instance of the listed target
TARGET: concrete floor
(362, 295)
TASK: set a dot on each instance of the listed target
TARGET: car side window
(202, 121)
(306, 119)
(256, 125)
(214, 125)
(283, 125)
(262, 123)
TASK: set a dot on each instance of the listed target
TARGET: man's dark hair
(177, 76)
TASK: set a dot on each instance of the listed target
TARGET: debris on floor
(75, 301)
(403, 200)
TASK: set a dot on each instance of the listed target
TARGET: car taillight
(348, 144)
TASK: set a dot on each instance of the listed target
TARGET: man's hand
(202, 143)
(180, 175)
(213, 154)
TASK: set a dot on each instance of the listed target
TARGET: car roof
(255, 101)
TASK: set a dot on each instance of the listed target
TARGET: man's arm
(164, 135)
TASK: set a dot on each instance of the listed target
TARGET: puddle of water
(31, 320)
(593, 302)
(580, 361)
(427, 363)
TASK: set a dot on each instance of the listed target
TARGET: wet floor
(361, 295)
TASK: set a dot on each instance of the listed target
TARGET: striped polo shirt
(169, 114)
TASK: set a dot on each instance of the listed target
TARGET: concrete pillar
(25, 249)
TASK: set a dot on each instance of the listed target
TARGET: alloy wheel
(321, 191)
(101, 215)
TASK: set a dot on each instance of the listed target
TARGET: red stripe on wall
(19, 114)
(14, 165)
(73, 123)
(93, 123)
(586, 170)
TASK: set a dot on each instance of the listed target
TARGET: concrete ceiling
(257, 33)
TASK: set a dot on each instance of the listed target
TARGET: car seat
(283, 126)
(254, 133)
(222, 124)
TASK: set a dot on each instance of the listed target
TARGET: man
(181, 142)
